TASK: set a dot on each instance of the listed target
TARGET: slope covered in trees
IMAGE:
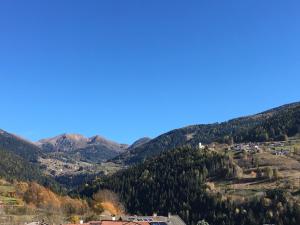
(19, 146)
(274, 124)
(13, 167)
(176, 182)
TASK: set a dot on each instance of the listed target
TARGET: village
(258, 166)
(59, 167)
(278, 148)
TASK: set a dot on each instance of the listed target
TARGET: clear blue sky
(128, 69)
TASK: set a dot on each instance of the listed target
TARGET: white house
(201, 146)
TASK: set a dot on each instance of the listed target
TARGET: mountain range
(274, 124)
(78, 147)
(71, 142)
(168, 167)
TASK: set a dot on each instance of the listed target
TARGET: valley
(149, 112)
(249, 164)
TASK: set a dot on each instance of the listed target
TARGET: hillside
(19, 146)
(274, 124)
(138, 143)
(203, 184)
(19, 159)
(64, 160)
(28, 201)
(13, 166)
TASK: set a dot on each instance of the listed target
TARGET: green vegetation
(216, 186)
(176, 182)
(15, 167)
(19, 147)
(19, 160)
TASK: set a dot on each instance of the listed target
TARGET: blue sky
(128, 69)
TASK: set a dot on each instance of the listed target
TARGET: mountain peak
(98, 138)
(73, 136)
(76, 142)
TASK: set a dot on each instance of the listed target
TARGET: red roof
(76, 224)
(112, 222)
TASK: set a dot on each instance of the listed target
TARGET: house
(201, 146)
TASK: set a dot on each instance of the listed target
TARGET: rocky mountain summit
(73, 142)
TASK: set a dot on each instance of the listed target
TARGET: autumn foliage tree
(107, 200)
(41, 197)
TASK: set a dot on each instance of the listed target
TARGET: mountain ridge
(270, 124)
(70, 142)
(19, 146)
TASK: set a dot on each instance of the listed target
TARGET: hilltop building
(200, 145)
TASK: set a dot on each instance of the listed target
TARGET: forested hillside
(13, 167)
(176, 182)
(19, 146)
(19, 160)
(274, 124)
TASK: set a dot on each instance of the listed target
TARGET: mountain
(274, 124)
(71, 142)
(63, 143)
(19, 146)
(94, 149)
(19, 160)
(13, 166)
(160, 185)
(192, 183)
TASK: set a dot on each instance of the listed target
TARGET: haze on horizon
(128, 69)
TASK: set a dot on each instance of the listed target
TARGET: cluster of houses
(136, 220)
(280, 152)
(276, 148)
(248, 147)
